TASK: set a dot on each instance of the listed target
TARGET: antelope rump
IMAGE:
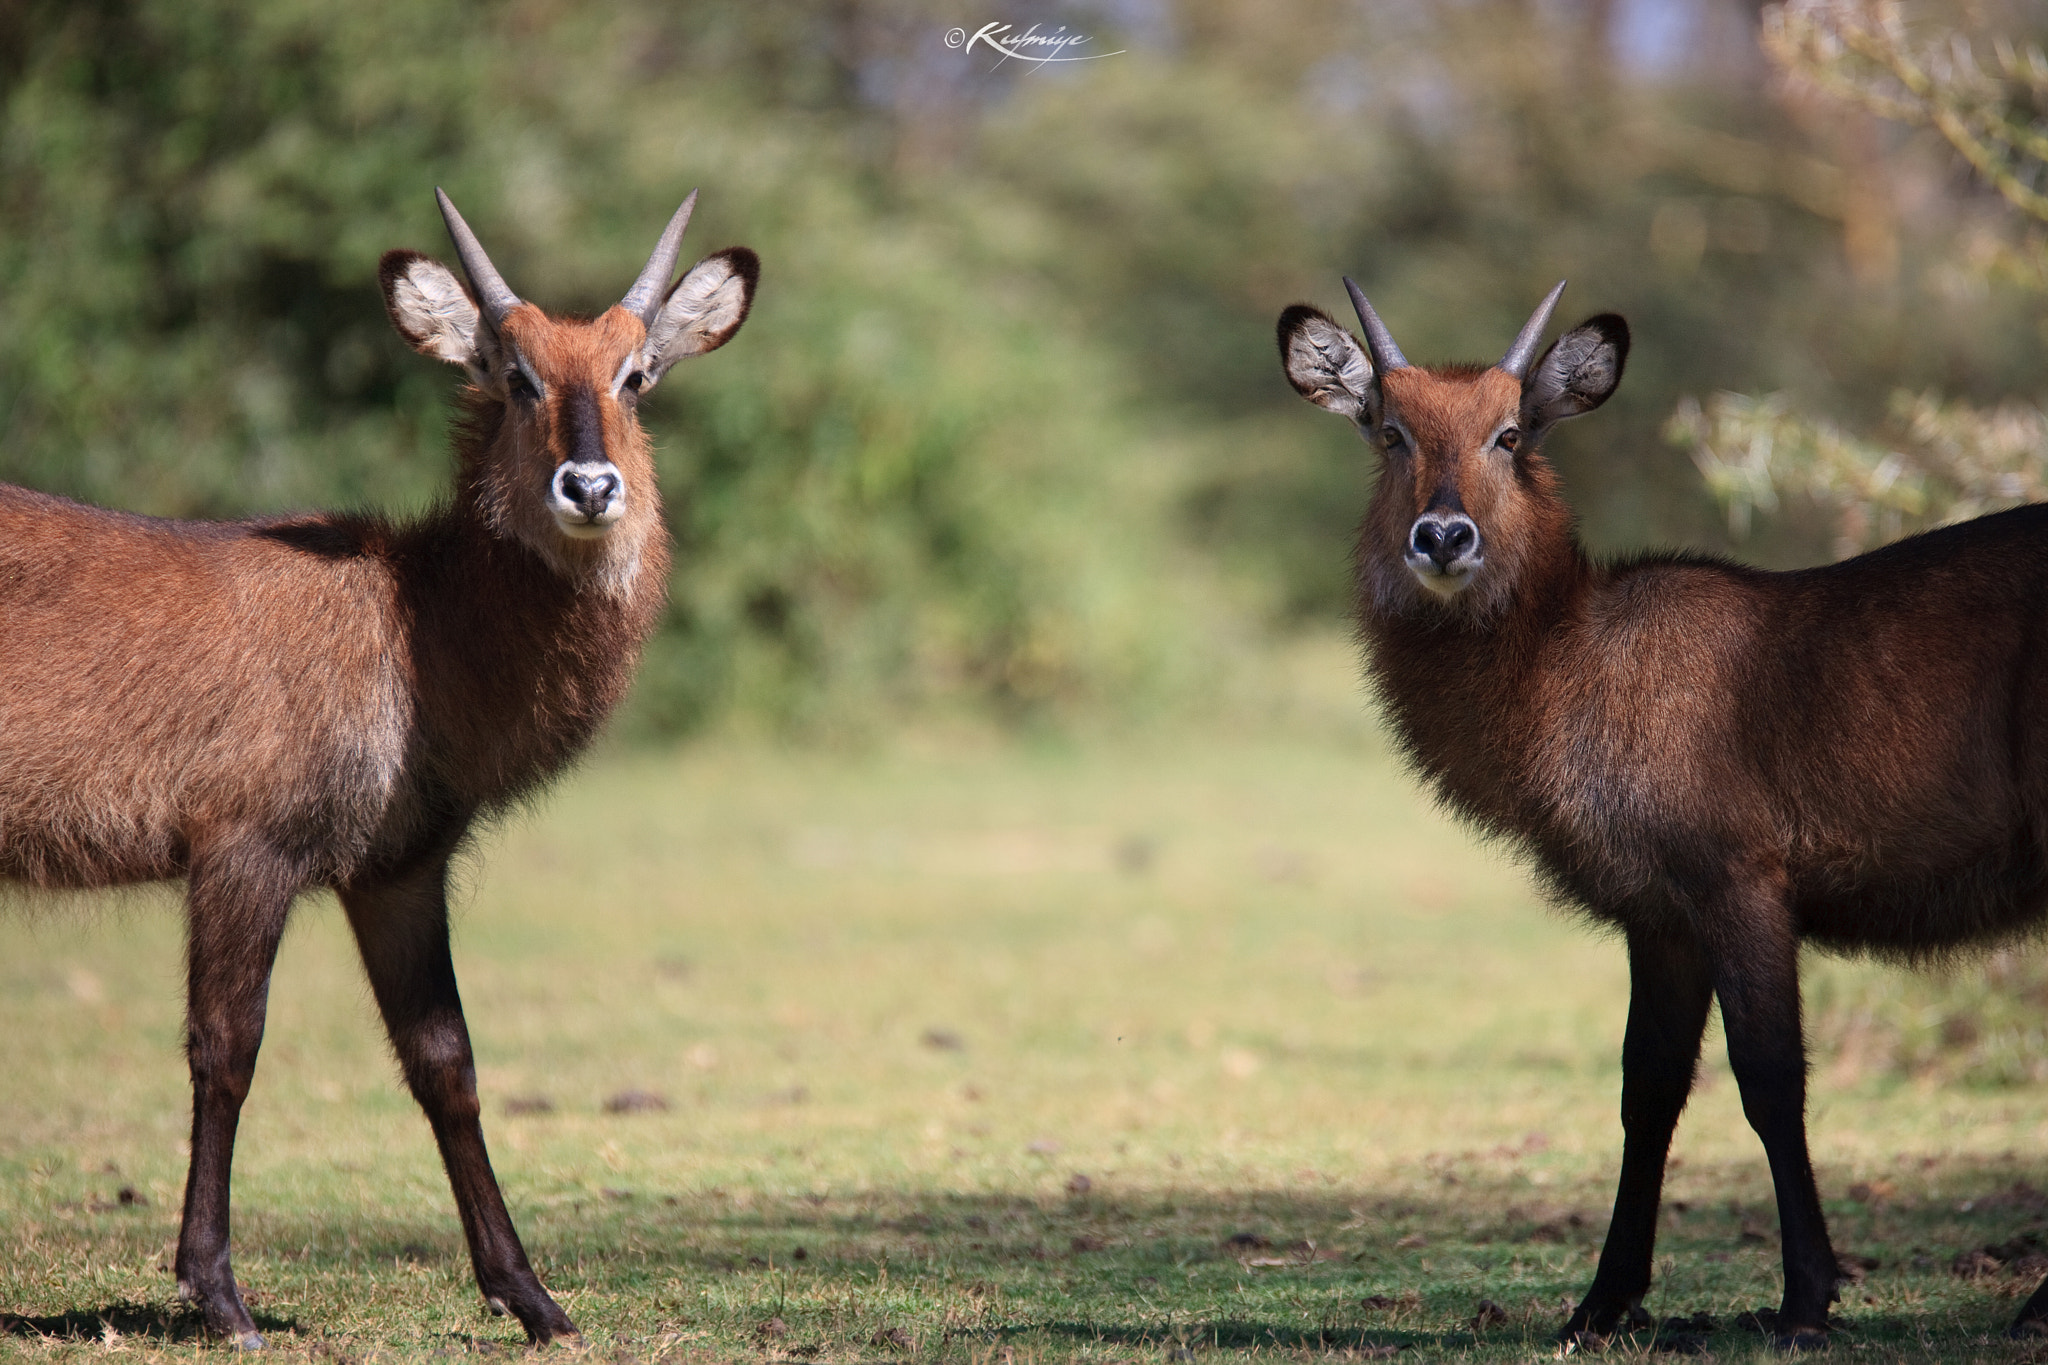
(272, 706)
(1717, 760)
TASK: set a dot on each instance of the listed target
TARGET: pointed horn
(1516, 361)
(491, 292)
(1379, 342)
(651, 289)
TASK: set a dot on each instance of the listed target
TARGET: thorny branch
(1943, 461)
(1864, 52)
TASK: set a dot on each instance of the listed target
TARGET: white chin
(1444, 586)
(583, 530)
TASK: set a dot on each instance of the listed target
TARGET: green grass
(992, 1047)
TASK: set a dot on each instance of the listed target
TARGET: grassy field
(1155, 1047)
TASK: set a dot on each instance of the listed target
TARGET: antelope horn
(1379, 342)
(484, 280)
(1516, 361)
(646, 296)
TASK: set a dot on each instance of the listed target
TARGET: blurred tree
(1458, 160)
(1937, 460)
(889, 492)
(1005, 428)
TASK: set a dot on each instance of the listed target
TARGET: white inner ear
(698, 316)
(435, 314)
(1329, 367)
(1575, 375)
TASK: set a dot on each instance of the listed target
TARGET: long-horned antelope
(271, 706)
(1717, 760)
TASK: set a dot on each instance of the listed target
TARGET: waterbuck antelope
(270, 706)
(1718, 761)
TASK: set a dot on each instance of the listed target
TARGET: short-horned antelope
(272, 706)
(1717, 760)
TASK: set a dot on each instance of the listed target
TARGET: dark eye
(635, 380)
(1508, 440)
(1393, 440)
(519, 385)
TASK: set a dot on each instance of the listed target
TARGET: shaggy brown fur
(266, 707)
(1716, 760)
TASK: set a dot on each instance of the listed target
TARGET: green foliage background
(1005, 431)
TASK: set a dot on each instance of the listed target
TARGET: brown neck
(519, 662)
(1459, 687)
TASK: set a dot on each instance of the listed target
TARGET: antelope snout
(586, 497)
(1443, 551)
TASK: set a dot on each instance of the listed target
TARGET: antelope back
(1466, 507)
(560, 463)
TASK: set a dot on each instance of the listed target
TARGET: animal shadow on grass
(1236, 1335)
(1948, 1246)
(158, 1322)
(1945, 1247)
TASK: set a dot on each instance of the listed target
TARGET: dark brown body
(274, 706)
(1871, 736)
(1719, 761)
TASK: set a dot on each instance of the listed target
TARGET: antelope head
(1465, 503)
(564, 467)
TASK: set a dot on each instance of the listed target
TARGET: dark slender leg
(2033, 1318)
(1759, 992)
(1670, 988)
(237, 904)
(401, 926)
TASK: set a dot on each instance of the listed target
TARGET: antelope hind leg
(237, 903)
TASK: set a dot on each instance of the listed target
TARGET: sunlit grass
(974, 1050)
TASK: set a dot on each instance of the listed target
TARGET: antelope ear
(1326, 364)
(703, 310)
(436, 315)
(1579, 372)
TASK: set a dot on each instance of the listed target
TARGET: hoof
(224, 1312)
(230, 1322)
(553, 1330)
(1589, 1329)
(539, 1314)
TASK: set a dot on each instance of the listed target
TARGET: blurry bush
(1006, 428)
(1934, 460)
(909, 479)
(1950, 462)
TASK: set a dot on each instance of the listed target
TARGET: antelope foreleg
(401, 927)
(1670, 988)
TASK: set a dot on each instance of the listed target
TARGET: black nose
(592, 494)
(1445, 539)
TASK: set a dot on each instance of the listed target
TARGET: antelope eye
(635, 380)
(519, 385)
(1393, 440)
(1508, 440)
